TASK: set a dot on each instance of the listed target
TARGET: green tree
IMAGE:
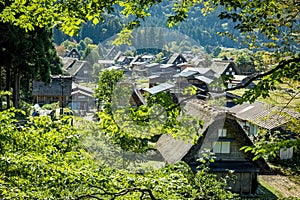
(26, 56)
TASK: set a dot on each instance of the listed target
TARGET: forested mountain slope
(201, 28)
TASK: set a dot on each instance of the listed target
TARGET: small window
(222, 132)
(227, 73)
(221, 147)
(85, 71)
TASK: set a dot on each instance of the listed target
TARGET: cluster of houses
(225, 129)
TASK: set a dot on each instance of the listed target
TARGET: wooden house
(153, 68)
(223, 136)
(73, 53)
(198, 77)
(156, 80)
(112, 53)
(224, 67)
(159, 88)
(81, 70)
(238, 80)
(258, 115)
(82, 98)
(139, 69)
(58, 90)
(176, 59)
(106, 63)
(124, 60)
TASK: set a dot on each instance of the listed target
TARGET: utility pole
(62, 95)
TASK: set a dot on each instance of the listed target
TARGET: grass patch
(269, 191)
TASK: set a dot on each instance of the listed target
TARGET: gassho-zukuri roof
(263, 115)
(173, 150)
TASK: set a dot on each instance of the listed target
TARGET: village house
(82, 99)
(106, 63)
(224, 67)
(111, 53)
(138, 69)
(238, 80)
(223, 136)
(176, 59)
(198, 77)
(73, 53)
(258, 115)
(80, 70)
(58, 90)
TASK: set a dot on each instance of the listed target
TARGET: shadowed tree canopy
(26, 56)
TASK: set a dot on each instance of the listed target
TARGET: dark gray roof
(59, 85)
(76, 86)
(159, 88)
(263, 115)
(152, 65)
(204, 79)
(75, 67)
(174, 57)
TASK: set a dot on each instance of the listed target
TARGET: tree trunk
(1, 86)
(16, 88)
(7, 87)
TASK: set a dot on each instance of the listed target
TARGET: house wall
(241, 182)
(212, 141)
(85, 74)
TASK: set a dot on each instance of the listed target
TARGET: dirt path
(282, 184)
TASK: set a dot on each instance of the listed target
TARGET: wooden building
(73, 53)
(258, 115)
(58, 90)
(82, 98)
(80, 70)
(176, 59)
(223, 136)
(224, 67)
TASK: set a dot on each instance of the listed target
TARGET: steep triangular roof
(73, 54)
(176, 56)
(175, 150)
(75, 67)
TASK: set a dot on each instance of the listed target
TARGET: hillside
(202, 29)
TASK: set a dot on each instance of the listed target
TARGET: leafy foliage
(42, 159)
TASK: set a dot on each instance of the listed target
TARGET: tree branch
(120, 193)
(281, 65)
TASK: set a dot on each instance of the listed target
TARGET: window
(221, 147)
(222, 132)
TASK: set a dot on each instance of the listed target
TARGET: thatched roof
(173, 150)
(59, 85)
(176, 56)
